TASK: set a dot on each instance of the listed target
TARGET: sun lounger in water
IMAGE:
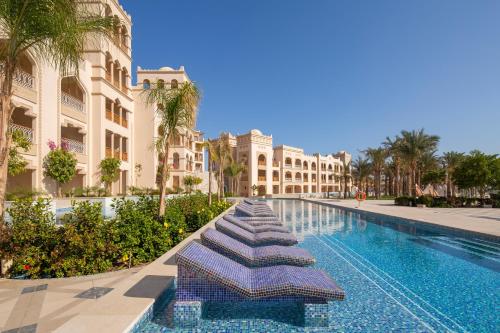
(255, 228)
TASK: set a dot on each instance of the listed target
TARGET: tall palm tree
(51, 30)
(234, 171)
(377, 157)
(450, 161)
(208, 145)
(393, 148)
(346, 175)
(176, 108)
(414, 144)
(221, 155)
(361, 171)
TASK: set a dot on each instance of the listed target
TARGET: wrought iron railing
(73, 145)
(28, 132)
(72, 102)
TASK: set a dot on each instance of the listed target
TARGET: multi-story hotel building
(96, 113)
(284, 169)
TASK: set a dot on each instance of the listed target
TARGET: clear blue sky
(327, 75)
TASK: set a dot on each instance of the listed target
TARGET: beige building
(96, 114)
(284, 169)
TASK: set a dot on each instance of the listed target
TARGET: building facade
(284, 169)
(96, 113)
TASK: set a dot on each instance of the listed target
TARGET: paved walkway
(481, 220)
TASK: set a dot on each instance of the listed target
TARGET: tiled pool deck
(485, 221)
(127, 295)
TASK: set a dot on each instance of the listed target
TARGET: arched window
(298, 176)
(146, 84)
(298, 163)
(174, 84)
(160, 83)
(288, 161)
(124, 36)
(124, 78)
(262, 160)
(305, 165)
(176, 161)
(288, 175)
(330, 167)
(313, 166)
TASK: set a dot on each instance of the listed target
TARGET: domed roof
(256, 132)
(166, 68)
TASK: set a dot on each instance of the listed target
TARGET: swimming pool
(398, 277)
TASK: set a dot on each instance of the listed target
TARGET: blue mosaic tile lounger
(255, 228)
(244, 210)
(254, 202)
(253, 220)
(258, 239)
(256, 208)
(255, 257)
(205, 275)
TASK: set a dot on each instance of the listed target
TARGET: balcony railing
(124, 122)
(276, 179)
(28, 132)
(288, 165)
(124, 156)
(260, 163)
(73, 145)
(72, 102)
(21, 77)
(109, 152)
(116, 154)
(109, 115)
(117, 118)
(262, 178)
(288, 179)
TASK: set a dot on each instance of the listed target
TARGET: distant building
(285, 169)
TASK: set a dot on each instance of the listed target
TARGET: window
(146, 85)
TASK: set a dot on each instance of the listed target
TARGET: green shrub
(140, 236)
(87, 245)
(60, 165)
(425, 200)
(33, 237)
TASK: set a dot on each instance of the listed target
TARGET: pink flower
(64, 145)
(52, 145)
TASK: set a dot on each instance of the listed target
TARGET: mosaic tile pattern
(255, 202)
(255, 228)
(256, 221)
(187, 314)
(204, 275)
(255, 257)
(246, 210)
(316, 315)
(259, 239)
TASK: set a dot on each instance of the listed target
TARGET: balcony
(125, 156)
(276, 164)
(73, 145)
(262, 178)
(276, 179)
(109, 152)
(28, 132)
(124, 122)
(109, 115)
(116, 154)
(72, 102)
(288, 166)
(288, 179)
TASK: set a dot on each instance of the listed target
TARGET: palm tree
(208, 145)
(221, 155)
(450, 161)
(346, 175)
(361, 171)
(393, 148)
(377, 157)
(52, 31)
(234, 171)
(414, 145)
(176, 108)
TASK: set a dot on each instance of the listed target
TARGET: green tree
(17, 163)
(191, 181)
(221, 155)
(361, 171)
(177, 107)
(434, 177)
(377, 157)
(234, 171)
(414, 144)
(60, 165)
(55, 31)
(110, 171)
(451, 160)
(477, 172)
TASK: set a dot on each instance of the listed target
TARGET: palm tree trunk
(5, 137)
(209, 178)
(163, 184)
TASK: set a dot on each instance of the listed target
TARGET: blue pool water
(398, 277)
